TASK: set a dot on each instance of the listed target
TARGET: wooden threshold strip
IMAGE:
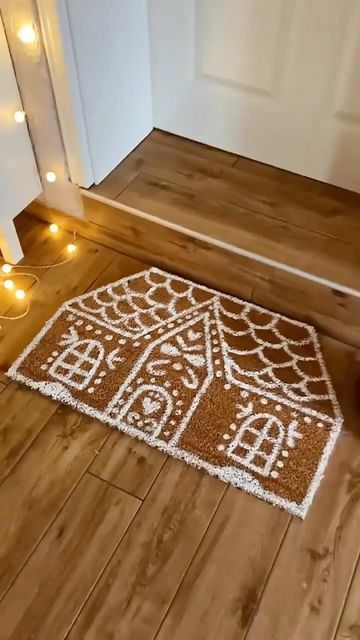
(330, 310)
(196, 228)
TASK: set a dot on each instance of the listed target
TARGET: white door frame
(58, 43)
(85, 122)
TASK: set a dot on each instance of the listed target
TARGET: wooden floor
(288, 219)
(104, 538)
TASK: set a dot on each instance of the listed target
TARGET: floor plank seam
(268, 216)
(256, 608)
(126, 186)
(156, 477)
(2, 480)
(226, 246)
(156, 634)
(345, 599)
(102, 572)
(115, 486)
(52, 520)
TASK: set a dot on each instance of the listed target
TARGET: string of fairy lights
(10, 273)
(27, 35)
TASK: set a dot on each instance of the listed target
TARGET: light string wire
(36, 281)
(28, 35)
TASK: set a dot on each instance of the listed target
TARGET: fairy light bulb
(53, 228)
(19, 116)
(20, 294)
(6, 268)
(27, 34)
(8, 284)
(50, 176)
(71, 248)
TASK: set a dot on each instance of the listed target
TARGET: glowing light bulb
(20, 294)
(6, 268)
(27, 34)
(53, 228)
(8, 284)
(71, 248)
(50, 176)
(19, 116)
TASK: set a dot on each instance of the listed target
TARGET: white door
(19, 179)
(274, 80)
(100, 66)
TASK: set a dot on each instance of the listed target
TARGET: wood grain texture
(314, 567)
(327, 220)
(57, 285)
(128, 464)
(316, 562)
(40, 248)
(279, 194)
(194, 148)
(60, 574)
(141, 579)
(23, 415)
(329, 310)
(224, 583)
(129, 168)
(349, 627)
(156, 245)
(198, 560)
(33, 494)
(207, 214)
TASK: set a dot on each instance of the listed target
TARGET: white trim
(223, 245)
(62, 64)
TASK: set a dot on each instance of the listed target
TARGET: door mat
(222, 384)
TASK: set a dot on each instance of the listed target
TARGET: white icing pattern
(145, 326)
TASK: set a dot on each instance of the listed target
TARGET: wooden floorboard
(329, 310)
(225, 581)
(107, 538)
(128, 464)
(305, 593)
(33, 494)
(283, 217)
(143, 576)
(23, 415)
(62, 571)
(57, 285)
(331, 259)
(349, 627)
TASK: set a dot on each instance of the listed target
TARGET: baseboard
(327, 306)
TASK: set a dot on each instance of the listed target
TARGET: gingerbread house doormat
(221, 384)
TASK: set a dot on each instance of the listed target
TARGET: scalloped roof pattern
(285, 354)
(226, 386)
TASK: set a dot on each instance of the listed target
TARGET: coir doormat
(226, 386)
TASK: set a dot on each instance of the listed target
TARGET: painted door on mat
(276, 81)
(19, 179)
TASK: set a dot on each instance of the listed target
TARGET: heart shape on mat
(150, 406)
